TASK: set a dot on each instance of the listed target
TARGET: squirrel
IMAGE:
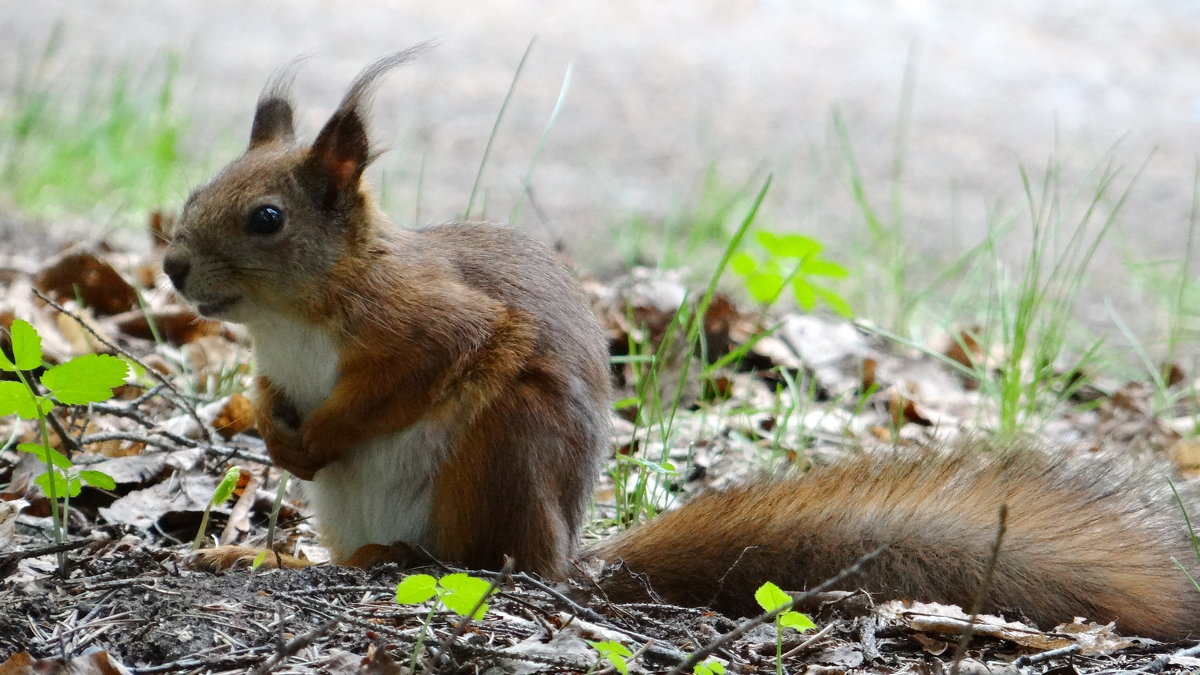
(446, 390)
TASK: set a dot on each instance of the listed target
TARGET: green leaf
(743, 263)
(26, 346)
(226, 486)
(836, 302)
(463, 592)
(74, 486)
(796, 620)
(613, 652)
(85, 379)
(764, 286)
(770, 597)
(98, 479)
(805, 296)
(258, 560)
(415, 589)
(788, 245)
(60, 483)
(15, 398)
(47, 455)
(709, 668)
(824, 268)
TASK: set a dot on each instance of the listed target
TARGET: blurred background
(896, 133)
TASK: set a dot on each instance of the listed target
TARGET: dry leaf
(1185, 454)
(236, 416)
(175, 325)
(95, 663)
(78, 273)
(904, 410)
(965, 348)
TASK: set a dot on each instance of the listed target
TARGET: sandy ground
(659, 91)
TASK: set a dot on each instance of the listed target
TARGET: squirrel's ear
(341, 152)
(272, 122)
(273, 116)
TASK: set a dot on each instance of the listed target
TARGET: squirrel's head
(263, 233)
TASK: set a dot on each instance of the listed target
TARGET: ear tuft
(273, 118)
(272, 122)
(342, 150)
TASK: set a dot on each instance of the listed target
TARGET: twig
(444, 660)
(291, 647)
(177, 440)
(1158, 664)
(666, 653)
(981, 592)
(1041, 657)
(9, 560)
(182, 400)
(767, 617)
(72, 445)
(809, 642)
(238, 659)
(632, 657)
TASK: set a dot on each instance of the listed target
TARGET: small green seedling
(223, 492)
(460, 593)
(615, 653)
(709, 668)
(790, 260)
(82, 380)
(770, 597)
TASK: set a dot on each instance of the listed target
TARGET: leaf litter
(792, 389)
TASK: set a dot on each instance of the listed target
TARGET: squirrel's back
(1089, 538)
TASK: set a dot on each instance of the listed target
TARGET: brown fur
(1084, 538)
(472, 347)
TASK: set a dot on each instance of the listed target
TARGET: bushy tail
(1089, 538)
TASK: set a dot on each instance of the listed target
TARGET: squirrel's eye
(265, 220)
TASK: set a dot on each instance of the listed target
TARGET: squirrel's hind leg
(223, 558)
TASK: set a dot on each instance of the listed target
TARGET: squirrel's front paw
(324, 439)
(285, 445)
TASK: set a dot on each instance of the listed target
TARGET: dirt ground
(659, 91)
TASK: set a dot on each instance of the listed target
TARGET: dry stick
(459, 647)
(981, 592)
(809, 642)
(445, 659)
(666, 653)
(182, 400)
(291, 647)
(10, 560)
(767, 617)
(632, 657)
(176, 442)
(1031, 659)
(71, 444)
(1157, 665)
(236, 659)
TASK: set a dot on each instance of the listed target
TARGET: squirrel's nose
(176, 270)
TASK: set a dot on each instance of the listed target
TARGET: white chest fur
(382, 492)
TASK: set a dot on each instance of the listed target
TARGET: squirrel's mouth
(213, 308)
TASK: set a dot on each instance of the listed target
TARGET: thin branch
(981, 592)
(293, 646)
(182, 400)
(746, 626)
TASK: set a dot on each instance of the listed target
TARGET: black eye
(265, 220)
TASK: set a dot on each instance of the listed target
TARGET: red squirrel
(447, 389)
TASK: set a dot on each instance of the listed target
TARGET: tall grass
(110, 149)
